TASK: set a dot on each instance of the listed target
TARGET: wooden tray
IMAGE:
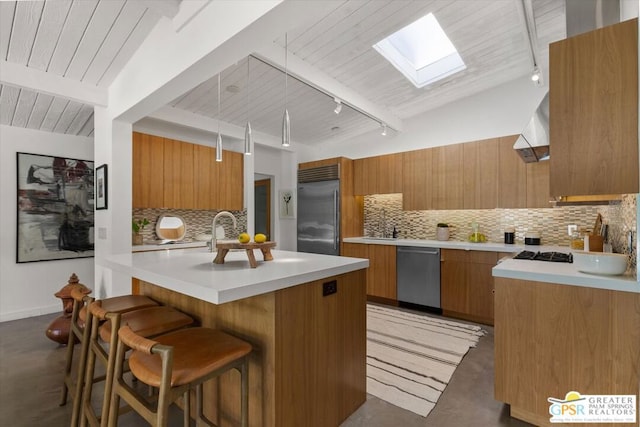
(225, 247)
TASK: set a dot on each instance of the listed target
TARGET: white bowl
(600, 262)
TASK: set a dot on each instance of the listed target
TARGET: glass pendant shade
(286, 129)
(219, 148)
(248, 139)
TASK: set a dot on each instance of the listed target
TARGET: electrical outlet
(572, 228)
(329, 288)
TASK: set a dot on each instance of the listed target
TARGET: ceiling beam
(168, 8)
(40, 81)
(303, 71)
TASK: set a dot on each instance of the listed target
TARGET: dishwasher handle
(426, 251)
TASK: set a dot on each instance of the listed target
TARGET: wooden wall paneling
(593, 101)
(567, 338)
(480, 174)
(147, 171)
(416, 180)
(389, 174)
(538, 195)
(512, 175)
(447, 183)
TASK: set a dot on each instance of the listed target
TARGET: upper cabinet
(416, 180)
(480, 172)
(378, 175)
(447, 177)
(593, 98)
(512, 175)
(179, 175)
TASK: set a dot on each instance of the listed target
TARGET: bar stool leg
(244, 391)
(84, 352)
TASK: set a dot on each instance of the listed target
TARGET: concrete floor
(31, 373)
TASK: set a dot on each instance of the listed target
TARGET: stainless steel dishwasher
(418, 274)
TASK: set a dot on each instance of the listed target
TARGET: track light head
(535, 76)
(338, 106)
(384, 129)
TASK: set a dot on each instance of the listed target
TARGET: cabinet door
(416, 180)
(453, 282)
(229, 181)
(178, 174)
(512, 175)
(447, 178)
(148, 171)
(593, 105)
(389, 174)
(538, 185)
(365, 176)
(480, 285)
(205, 194)
(381, 278)
(480, 171)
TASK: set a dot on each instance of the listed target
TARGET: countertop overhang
(192, 271)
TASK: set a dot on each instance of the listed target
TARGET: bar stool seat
(197, 351)
(80, 329)
(176, 363)
(146, 322)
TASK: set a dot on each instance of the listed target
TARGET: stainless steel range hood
(533, 143)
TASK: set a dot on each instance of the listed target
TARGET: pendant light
(286, 125)
(248, 137)
(219, 138)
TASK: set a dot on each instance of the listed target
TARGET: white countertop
(562, 273)
(539, 271)
(151, 246)
(454, 244)
(192, 271)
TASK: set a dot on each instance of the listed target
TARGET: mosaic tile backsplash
(385, 211)
(198, 221)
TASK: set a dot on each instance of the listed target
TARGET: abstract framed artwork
(101, 187)
(55, 208)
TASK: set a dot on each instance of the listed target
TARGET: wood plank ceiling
(91, 40)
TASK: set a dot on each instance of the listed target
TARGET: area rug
(411, 357)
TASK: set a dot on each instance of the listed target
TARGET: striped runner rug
(411, 357)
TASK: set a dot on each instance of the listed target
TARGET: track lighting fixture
(286, 124)
(338, 106)
(535, 76)
(219, 138)
(384, 129)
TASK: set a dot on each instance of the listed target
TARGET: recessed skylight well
(422, 52)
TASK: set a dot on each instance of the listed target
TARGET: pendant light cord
(218, 103)
(248, 58)
(286, 57)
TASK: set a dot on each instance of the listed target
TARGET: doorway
(262, 200)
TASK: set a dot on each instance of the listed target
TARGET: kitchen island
(308, 364)
(559, 330)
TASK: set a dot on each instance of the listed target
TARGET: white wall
(27, 289)
(504, 110)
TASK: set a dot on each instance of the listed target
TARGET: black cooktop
(545, 256)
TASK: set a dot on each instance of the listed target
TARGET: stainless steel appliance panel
(319, 217)
(418, 274)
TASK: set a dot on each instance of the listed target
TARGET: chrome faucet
(213, 227)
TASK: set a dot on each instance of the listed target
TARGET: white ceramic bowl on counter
(600, 262)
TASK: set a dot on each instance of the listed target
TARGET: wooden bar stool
(176, 363)
(146, 322)
(80, 330)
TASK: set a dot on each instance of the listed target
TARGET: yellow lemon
(259, 238)
(244, 238)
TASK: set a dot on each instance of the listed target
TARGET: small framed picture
(101, 187)
(287, 204)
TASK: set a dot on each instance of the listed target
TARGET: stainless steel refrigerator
(319, 210)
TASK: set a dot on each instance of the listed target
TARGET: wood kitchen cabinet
(381, 274)
(480, 174)
(174, 174)
(378, 175)
(447, 182)
(538, 195)
(416, 180)
(593, 105)
(466, 284)
(512, 175)
(148, 171)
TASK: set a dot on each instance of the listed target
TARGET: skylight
(422, 52)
